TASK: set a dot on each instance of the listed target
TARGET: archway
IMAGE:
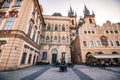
(88, 58)
(54, 56)
(100, 53)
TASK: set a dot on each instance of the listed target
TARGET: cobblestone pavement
(98, 73)
(54, 74)
(19, 74)
(79, 72)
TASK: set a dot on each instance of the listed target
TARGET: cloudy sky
(103, 9)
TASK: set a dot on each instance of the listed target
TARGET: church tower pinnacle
(86, 11)
(70, 12)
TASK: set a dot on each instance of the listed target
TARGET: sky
(103, 9)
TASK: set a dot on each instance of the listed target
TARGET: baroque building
(20, 33)
(97, 41)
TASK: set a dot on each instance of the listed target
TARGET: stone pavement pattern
(54, 74)
(18, 74)
(79, 72)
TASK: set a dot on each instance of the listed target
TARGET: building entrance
(54, 56)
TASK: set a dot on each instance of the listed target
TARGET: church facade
(20, 33)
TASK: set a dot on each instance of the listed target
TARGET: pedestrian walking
(103, 64)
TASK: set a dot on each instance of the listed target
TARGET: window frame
(117, 43)
(111, 43)
(23, 58)
(63, 40)
(56, 28)
(6, 4)
(98, 45)
(17, 3)
(63, 28)
(8, 24)
(91, 43)
(85, 43)
(44, 55)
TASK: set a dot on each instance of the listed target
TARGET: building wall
(16, 41)
(59, 46)
(76, 51)
(104, 34)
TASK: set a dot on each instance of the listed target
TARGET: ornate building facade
(93, 40)
(56, 38)
(20, 33)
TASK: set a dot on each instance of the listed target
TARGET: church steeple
(93, 14)
(70, 12)
(86, 11)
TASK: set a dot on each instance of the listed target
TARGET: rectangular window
(37, 40)
(9, 23)
(6, 4)
(29, 60)
(33, 38)
(18, 3)
(98, 43)
(0, 52)
(91, 43)
(85, 43)
(1, 20)
(29, 30)
(23, 58)
(44, 56)
(117, 43)
(110, 43)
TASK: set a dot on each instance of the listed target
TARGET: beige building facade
(56, 39)
(20, 33)
(94, 39)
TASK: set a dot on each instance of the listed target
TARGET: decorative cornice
(18, 34)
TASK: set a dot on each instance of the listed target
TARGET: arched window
(72, 22)
(63, 28)
(117, 43)
(90, 21)
(47, 40)
(55, 39)
(63, 39)
(48, 27)
(56, 27)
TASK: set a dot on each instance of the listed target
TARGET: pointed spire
(86, 11)
(70, 12)
(93, 13)
(75, 13)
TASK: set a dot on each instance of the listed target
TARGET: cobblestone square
(79, 72)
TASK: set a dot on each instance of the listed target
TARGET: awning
(100, 56)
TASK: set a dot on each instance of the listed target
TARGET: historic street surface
(79, 72)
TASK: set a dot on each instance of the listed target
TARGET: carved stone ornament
(2, 14)
(13, 13)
